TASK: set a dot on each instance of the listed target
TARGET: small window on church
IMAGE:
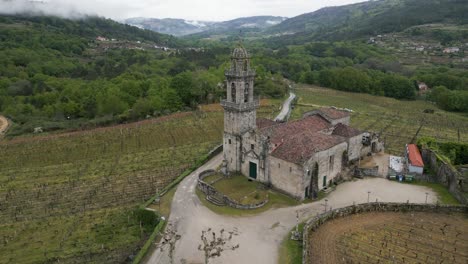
(331, 162)
(308, 172)
(246, 93)
(290, 169)
(229, 140)
(279, 165)
(252, 146)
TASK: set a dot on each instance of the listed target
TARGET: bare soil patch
(413, 237)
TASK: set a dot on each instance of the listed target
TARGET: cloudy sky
(216, 10)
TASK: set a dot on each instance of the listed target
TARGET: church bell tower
(240, 107)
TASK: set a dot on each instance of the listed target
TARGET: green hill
(56, 74)
(367, 19)
(86, 28)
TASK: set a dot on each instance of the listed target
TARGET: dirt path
(3, 125)
(260, 236)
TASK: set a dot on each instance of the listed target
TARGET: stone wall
(314, 223)
(443, 173)
(209, 190)
(287, 176)
(367, 172)
(354, 147)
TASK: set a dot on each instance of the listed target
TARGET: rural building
(422, 86)
(451, 50)
(414, 159)
(299, 157)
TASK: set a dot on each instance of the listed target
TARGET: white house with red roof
(300, 157)
(414, 159)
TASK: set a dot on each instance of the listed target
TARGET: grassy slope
(70, 197)
(397, 121)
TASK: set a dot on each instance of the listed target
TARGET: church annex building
(300, 157)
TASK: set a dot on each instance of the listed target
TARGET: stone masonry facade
(300, 157)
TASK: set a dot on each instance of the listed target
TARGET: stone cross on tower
(239, 106)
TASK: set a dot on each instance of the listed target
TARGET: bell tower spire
(240, 106)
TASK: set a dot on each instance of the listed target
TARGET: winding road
(284, 114)
(259, 236)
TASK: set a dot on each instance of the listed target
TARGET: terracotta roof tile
(414, 156)
(264, 122)
(281, 131)
(345, 131)
(300, 147)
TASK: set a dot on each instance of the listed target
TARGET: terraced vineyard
(392, 238)
(396, 121)
(70, 197)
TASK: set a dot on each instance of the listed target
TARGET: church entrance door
(253, 170)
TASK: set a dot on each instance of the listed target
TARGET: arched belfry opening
(233, 92)
(240, 108)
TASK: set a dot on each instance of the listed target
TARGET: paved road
(283, 115)
(260, 236)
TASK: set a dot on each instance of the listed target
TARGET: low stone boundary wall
(372, 172)
(445, 174)
(215, 151)
(314, 223)
(209, 190)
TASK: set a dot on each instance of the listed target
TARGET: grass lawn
(164, 208)
(240, 189)
(443, 194)
(290, 251)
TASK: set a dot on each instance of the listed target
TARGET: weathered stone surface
(300, 146)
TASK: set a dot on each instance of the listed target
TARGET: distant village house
(451, 50)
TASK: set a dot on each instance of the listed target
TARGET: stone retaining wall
(444, 174)
(314, 223)
(209, 190)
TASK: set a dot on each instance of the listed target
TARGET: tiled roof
(414, 156)
(345, 131)
(334, 113)
(264, 122)
(281, 131)
(300, 147)
(298, 140)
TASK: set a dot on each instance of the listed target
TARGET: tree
(397, 87)
(183, 84)
(213, 245)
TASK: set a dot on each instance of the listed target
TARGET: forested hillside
(367, 19)
(55, 74)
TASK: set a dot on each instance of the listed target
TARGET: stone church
(300, 157)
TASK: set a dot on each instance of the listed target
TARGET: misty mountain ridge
(182, 27)
(41, 8)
